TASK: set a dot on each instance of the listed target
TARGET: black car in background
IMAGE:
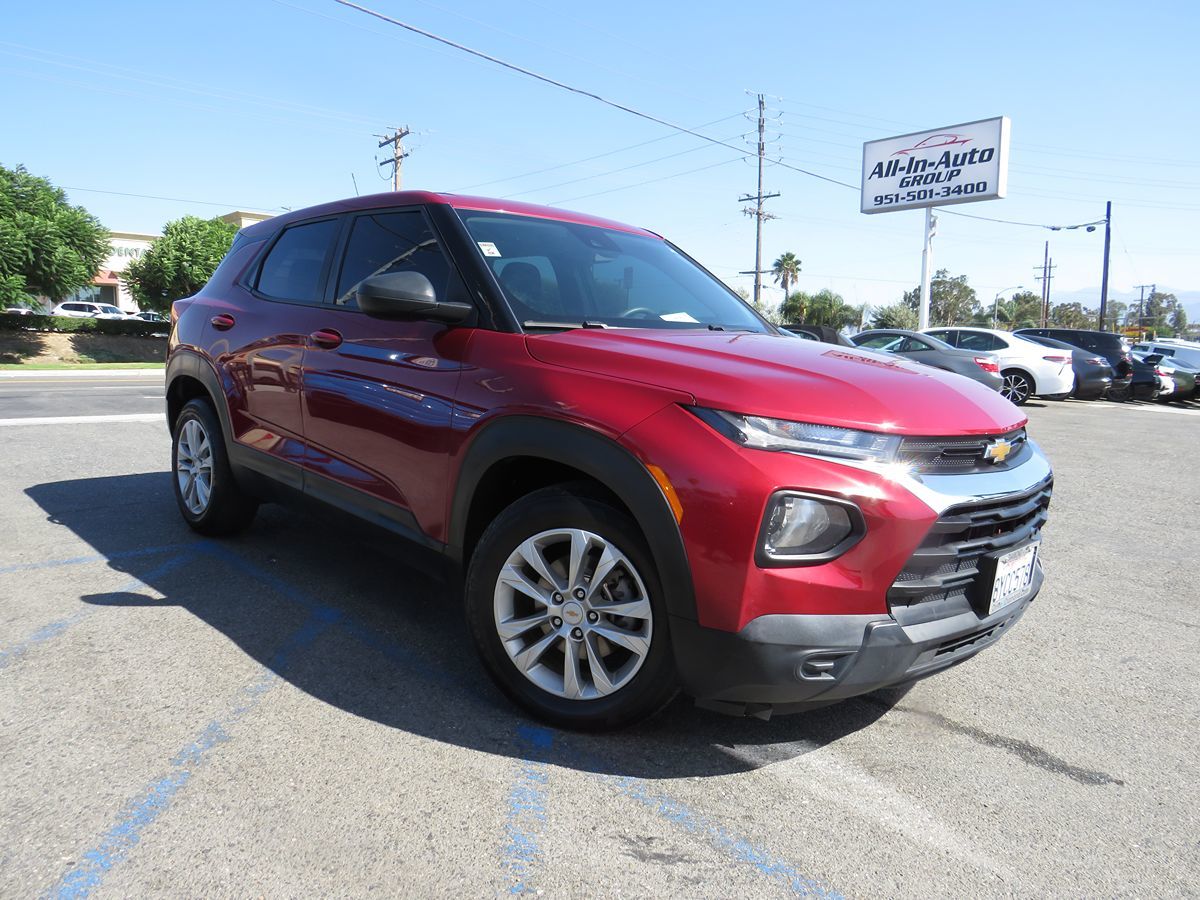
(1145, 383)
(1113, 347)
(1093, 374)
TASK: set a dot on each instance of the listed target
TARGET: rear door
(261, 337)
(378, 394)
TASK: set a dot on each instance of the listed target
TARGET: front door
(378, 394)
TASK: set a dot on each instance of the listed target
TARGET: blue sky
(266, 104)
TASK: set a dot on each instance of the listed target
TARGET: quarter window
(950, 337)
(294, 265)
(973, 340)
(880, 342)
(395, 242)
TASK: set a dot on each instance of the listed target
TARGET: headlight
(806, 529)
(801, 437)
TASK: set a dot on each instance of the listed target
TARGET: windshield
(562, 274)
(110, 310)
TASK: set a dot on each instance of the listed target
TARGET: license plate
(1014, 574)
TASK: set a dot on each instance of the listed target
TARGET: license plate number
(1014, 574)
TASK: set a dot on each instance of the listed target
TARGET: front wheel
(566, 610)
(1017, 387)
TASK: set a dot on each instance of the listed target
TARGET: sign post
(958, 164)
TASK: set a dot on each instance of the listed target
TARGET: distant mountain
(1090, 298)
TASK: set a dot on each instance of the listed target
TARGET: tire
(1017, 388)
(209, 498)
(569, 659)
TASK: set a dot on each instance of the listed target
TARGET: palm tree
(827, 308)
(786, 269)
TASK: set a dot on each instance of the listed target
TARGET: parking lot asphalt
(297, 712)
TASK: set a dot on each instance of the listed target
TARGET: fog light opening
(803, 529)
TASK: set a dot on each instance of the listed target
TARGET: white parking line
(1169, 409)
(84, 420)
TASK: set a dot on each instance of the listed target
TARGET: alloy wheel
(194, 466)
(573, 614)
(1015, 388)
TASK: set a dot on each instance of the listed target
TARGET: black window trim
(254, 270)
(343, 243)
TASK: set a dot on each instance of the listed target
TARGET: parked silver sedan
(976, 365)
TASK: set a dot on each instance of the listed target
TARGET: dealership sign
(958, 164)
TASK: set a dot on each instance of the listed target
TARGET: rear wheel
(209, 498)
(1016, 387)
(566, 610)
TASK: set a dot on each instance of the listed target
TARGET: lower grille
(942, 576)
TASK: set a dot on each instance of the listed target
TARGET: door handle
(325, 338)
(222, 322)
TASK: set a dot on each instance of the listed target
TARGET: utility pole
(1047, 268)
(757, 212)
(1104, 276)
(1142, 300)
(398, 152)
(927, 269)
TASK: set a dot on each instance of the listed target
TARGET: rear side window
(295, 264)
(395, 242)
(971, 340)
(950, 337)
(913, 345)
(880, 341)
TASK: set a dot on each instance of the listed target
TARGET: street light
(996, 299)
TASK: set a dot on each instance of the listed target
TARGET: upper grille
(941, 575)
(959, 455)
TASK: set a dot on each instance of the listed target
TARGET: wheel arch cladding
(188, 377)
(555, 452)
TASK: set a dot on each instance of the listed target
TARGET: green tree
(1022, 310)
(180, 262)
(1179, 319)
(1114, 315)
(898, 315)
(785, 270)
(1072, 315)
(792, 309)
(47, 246)
(827, 308)
(952, 300)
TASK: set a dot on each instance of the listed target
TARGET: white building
(107, 286)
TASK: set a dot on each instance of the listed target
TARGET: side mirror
(406, 295)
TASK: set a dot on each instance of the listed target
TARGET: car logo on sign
(997, 451)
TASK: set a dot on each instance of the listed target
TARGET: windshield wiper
(561, 326)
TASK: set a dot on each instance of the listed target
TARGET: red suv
(647, 486)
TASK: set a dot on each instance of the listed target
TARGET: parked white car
(1171, 351)
(1029, 369)
(80, 309)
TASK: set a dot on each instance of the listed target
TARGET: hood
(786, 378)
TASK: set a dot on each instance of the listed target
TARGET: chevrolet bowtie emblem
(997, 451)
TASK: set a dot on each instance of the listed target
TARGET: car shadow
(393, 647)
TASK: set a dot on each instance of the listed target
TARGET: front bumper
(786, 663)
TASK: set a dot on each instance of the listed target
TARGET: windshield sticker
(488, 248)
(678, 317)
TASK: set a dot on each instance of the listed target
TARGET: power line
(588, 159)
(626, 187)
(604, 174)
(170, 199)
(479, 54)
(543, 78)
